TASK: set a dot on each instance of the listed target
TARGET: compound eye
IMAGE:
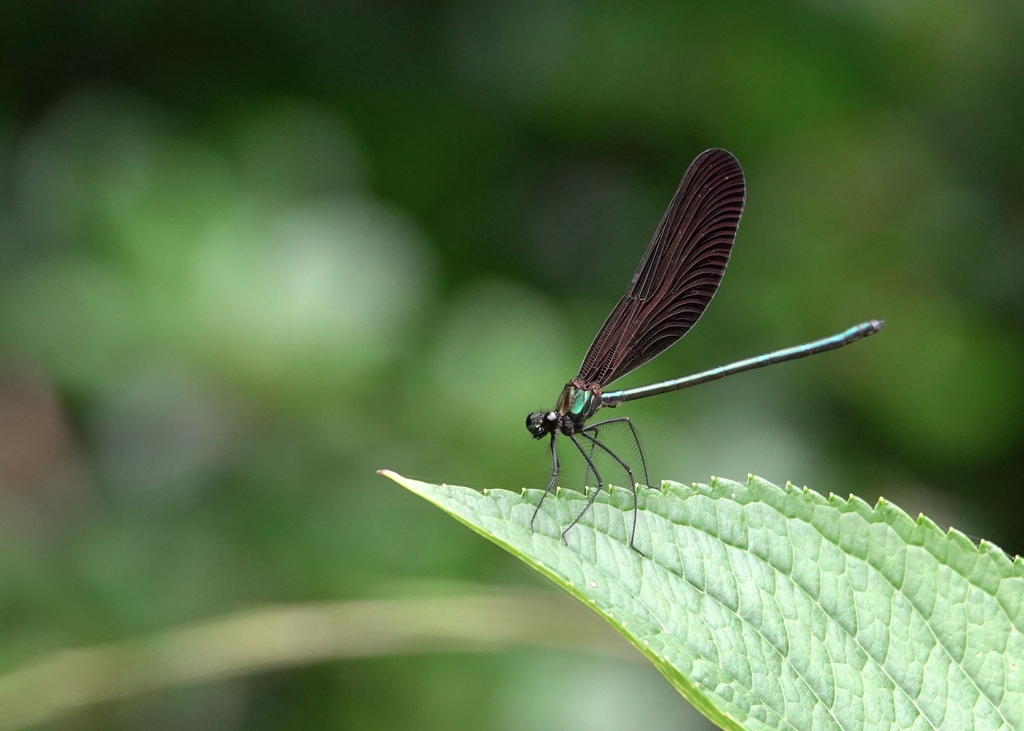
(535, 424)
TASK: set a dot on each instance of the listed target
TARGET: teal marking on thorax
(581, 401)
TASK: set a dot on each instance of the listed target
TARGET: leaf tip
(393, 476)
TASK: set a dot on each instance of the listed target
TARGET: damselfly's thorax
(575, 405)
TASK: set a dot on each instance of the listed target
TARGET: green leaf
(773, 608)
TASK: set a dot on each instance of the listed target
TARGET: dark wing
(678, 274)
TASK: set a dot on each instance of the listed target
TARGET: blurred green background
(252, 252)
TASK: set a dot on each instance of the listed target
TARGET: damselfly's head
(541, 423)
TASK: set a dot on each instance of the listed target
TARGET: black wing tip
(721, 166)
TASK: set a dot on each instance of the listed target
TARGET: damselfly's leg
(586, 474)
(632, 483)
(593, 495)
(636, 440)
(554, 476)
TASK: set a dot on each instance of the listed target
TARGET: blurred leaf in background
(250, 253)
